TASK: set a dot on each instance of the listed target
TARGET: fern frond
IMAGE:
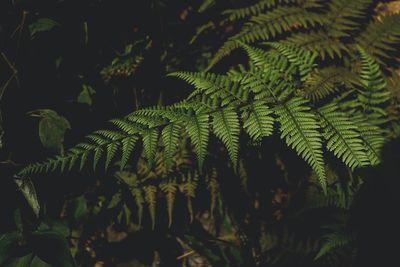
(372, 136)
(342, 16)
(170, 138)
(334, 241)
(213, 188)
(255, 9)
(150, 140)
(301, 58)
(226, 127)
(324, 82)
(258, 121)
(380, 37)
(374, 90)
(299, 128)
(189, 190)
(197, 128)
(151, 200)
(342, 136)
(318, 42)
(169, 189)
(139, 201)
(265, 26)
(128, 144)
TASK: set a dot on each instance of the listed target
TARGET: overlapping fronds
(342, 136)
(319, 42)
(223, 105)
(264, 26)
(327, 81)
(343, 16)
(323, 27)
(380, 37)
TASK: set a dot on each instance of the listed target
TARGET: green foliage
(342, 136)
(52, 128)
(221, 98)
(314, 83)
(299, 129)
(42, 25)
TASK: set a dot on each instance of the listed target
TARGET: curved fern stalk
(380, 37)
(342, 137)
(299, 128)
(265, 26)
(169, 188)
(375, 91)
(226, 127)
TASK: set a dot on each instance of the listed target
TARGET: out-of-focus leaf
(79, 207)
(52, 128)
(8, 243)
(206, 5)
(37, 262)
(18, 219)
(28, 190)
(24, 261)
(52, 247)
(42, 25)
(85, 97)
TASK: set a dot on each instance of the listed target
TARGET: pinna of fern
(255, 102)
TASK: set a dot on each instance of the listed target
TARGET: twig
(186, 254)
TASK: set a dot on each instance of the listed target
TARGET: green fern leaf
(150, 140)
(258, 122)
(170, 138)
(342, 136)
(372, 136)
(326, 81)
(112, 149)
(375, 90)
(98, 153)
(198, 130)
(128, 144)
(299, 128)
(334, 241)
(263, 27)
(226, 127)
(380, 37)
